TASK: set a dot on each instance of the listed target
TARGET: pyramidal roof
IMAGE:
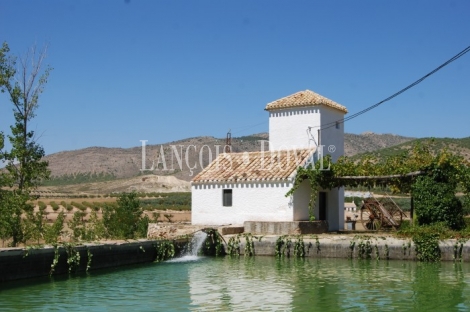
(303, 99)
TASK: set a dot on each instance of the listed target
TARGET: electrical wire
(455, 57)
(340, 121)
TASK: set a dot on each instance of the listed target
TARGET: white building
(241, 187)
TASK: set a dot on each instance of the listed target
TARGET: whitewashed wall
(301, 200)
(250, 202)
(331, 136)
(288, 127)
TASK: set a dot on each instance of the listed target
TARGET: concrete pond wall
(353, 247)
(20, 263)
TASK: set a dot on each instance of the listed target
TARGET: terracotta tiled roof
(303, 99)
(254, 166)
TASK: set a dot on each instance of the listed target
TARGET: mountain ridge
(182, 158)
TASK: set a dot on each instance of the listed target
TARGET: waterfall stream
(192, 248)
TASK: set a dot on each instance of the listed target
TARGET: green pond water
(251, 284)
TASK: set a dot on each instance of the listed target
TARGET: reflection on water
(239, 284)
(256, 284)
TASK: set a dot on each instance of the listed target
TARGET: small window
(227, 198)
(337, 125)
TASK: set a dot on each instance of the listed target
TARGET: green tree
(23, 81)
(125, 219)
(25, 166)
(435, 202)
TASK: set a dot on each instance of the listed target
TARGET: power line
(244, 128)
(455, 57)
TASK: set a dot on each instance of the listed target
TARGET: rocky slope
(181, 159)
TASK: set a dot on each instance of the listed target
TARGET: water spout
(192, 249)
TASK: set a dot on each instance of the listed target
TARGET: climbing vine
(282, 246)
(458, 249)
(89, 257)
(233, 246)
(73, 257)
(214, 243)
(55, 261)
(427, 247)
(165, 250)
(299, 247)
(249, 245)
(364, 249)
(397, 172)
(352, 245)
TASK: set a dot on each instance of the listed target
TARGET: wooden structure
(381, 213)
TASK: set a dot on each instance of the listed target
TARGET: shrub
(54, 206)
(436, 202)
(87, 204)
(42, 205)
(124, 220)
(78, 205)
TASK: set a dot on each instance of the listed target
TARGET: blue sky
(126, 71)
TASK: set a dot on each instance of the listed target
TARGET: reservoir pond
(250, 284)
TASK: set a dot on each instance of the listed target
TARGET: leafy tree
(52, 232)
(24, 161)
(125, 219)
(436, 202)
(12, 205)
(24, 165)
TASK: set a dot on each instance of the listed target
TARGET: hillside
(457, 146)
(100, 164)
(368, 142)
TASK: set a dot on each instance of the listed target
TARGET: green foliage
(282, 246)
(42, 205)
(435, 202)
(25, 165)
(213, 243)
(165, 250)
(458, 249)
(12, 205)
(78, 205)
(78, 178)
(124, 220)
(54, 205)
(167, 201)
(89, 259)
(233, 245)
(55, 261)
(73, 257)
(443, 167)
(53, 232)
(299, 247)
(364, 249)
(142, 226)
(427, 247)
(94, 228)
(249, 245)
(77, 225)
(435, 145)
(25, 168)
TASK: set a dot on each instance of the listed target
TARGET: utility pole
(228, 142)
